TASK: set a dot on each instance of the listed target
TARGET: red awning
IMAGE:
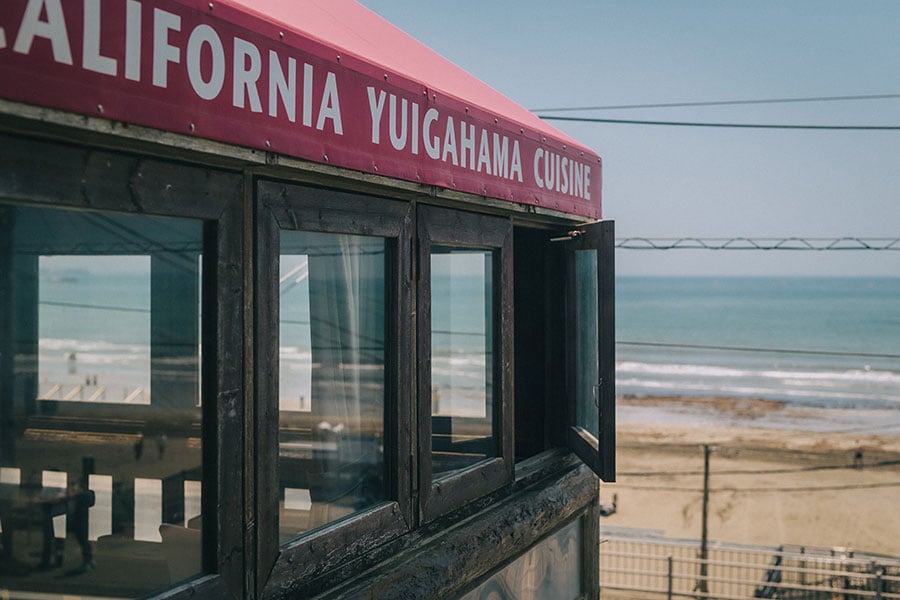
(323, 80)
(351, 27)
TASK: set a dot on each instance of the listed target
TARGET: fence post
(670, 577)
(701, 584)
(803, 566)
(879, 572)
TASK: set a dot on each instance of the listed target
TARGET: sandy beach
(778, 474)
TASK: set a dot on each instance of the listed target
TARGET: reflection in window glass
(94, 328)
(99, 392)
(461, 357)
(587, 358)
(550, 569)
(295, 357)
(332, 365)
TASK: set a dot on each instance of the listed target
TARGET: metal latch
(570, 235)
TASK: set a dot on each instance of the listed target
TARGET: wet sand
(779, 475)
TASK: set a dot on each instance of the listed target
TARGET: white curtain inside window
(347, 315)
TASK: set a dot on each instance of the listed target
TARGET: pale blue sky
(676, 181)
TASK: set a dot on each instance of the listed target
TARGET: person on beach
(858, 456)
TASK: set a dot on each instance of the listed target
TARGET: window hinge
(570, 235)
(574, 233)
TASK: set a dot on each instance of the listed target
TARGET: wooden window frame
(598, 454)
(126, 183)
(293, 206)
(448, 227)
(242, 216)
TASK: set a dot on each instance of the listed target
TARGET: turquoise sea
(810, 342)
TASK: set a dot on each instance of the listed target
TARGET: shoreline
(753, 412)
(779, 474)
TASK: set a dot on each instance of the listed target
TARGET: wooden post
(590, 562)
(7, 364)
(670, 578)
(702, 583)
(879, 583)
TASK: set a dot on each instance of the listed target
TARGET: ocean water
(94, 332)
(94, 329)
(814, 342)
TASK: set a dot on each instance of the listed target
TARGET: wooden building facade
(290, 307)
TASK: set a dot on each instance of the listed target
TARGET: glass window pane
(553, 568)
(111, 294)
(332, 386)
(295, 357)
(99, 401)
(461, 358)
(587, 358)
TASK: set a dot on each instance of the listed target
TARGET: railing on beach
(662, 568)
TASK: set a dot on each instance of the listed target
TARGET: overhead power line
(725, 125)
(720, 103)
(745, 243)
(94, 306)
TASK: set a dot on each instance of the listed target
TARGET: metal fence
(650, 568)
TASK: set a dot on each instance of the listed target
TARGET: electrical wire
(720, 103)
(94, 306)
(724, 125)
(762, 243)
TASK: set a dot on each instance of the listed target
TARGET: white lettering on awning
(163, 52)
(53, 29)
(200, 36)
(471, 147)
(193, 57)
(91, 59)
(246, 75)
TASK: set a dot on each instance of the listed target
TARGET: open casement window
(332, 405)
(464, 337)
(590, 346)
